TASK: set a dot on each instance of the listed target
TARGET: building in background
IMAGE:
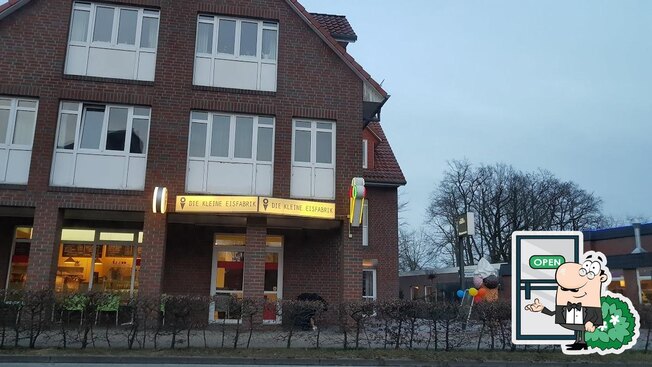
(252, 116)
(629, 258)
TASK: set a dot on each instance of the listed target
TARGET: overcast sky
(560, 85)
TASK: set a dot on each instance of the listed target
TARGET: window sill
(7, 186)
(233, 90)
(87, 190)
(107, 80)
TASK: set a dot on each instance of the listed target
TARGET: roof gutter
(12, 8)
(383, 184)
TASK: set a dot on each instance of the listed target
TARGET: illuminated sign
(297, 208)
(216, 204)
(254, 204)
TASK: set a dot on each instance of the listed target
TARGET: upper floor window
(17, 125)
(101, 146)
(236, 53)
(230, 154)
(313, 160)
(112, 41)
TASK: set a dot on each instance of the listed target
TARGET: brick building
(250, 113)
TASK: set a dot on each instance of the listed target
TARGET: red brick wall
(188, 257)
(383, 239)
(312, 83)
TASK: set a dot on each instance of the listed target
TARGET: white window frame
(365, 158)
(113, 44)
(279, 291)
(214, 55)
(207, 158)
(81, 112)
(365, 223)
(8, 144)
(135, 243)
(313, 152)
(375, 287)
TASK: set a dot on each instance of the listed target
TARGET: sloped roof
(338, 26)
(335, 46)
(386, 168)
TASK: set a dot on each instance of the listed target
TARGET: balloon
(477, 281)
(460, 293)
(477, 299)
(491, 282)
(473, 292)
(482, 292)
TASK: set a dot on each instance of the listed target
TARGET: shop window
(236, 53)
(101, 146)
(228, 276)
(104, 261)
(645, 279)
(230, 154)
(313, 160)
(112, 42)
(369, 284)
(19, 259)
(17, 125)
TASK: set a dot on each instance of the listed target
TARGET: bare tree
(505, 200)
(415, 250)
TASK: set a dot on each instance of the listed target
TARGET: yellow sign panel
(297, 208)
(254, 204)
(216, 204)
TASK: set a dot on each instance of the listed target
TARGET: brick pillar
(351, 263)
(44, 250)
(632, 288)
(254, 260)
(153, 255)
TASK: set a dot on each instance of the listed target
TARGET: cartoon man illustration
(579, 288)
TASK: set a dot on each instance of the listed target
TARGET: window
(101, 146)
(369, 284)
(19, 259)
(365, 223)
(99, 260)
(230, 154)
(365, 162)
(17, 125)
(236, 53)
(313, 160)
(112, 41)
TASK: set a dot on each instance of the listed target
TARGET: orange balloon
(481, 292)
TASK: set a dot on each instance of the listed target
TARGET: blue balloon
(460, 294)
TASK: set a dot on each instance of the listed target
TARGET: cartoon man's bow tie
(577, 306)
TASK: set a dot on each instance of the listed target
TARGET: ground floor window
(369, 284)
(19, 258)
(228, 276)
(99, 260)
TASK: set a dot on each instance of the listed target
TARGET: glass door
(228, 277)
(273, 279)
(17, 272)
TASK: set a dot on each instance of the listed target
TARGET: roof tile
(338, 26)
(386, 168)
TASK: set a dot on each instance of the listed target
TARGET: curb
(288, 362)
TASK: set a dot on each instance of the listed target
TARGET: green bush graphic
(618, 324)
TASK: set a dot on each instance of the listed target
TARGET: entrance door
(227, 283)
(273, 279)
